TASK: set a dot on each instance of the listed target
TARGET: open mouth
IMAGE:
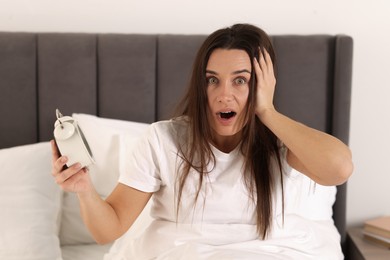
(227, 115)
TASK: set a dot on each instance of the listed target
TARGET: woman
(216, 171)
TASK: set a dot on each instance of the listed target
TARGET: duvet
(297, 238)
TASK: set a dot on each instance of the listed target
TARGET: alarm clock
(71, 141)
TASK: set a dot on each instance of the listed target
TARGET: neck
(226, 144)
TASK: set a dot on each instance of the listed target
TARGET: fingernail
(78, 165)
(64, 159)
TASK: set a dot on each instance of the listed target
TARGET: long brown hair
(259, 145)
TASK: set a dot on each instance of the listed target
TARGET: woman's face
(228, 73)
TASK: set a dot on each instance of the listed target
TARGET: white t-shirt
(221, 224)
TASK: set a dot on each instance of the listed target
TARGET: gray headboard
(141, 77)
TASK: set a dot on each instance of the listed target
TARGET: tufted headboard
(141, 77)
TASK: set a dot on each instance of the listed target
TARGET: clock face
(63, 130)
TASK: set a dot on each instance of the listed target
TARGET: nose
(225, 92)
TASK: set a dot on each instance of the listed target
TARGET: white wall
(368, 22)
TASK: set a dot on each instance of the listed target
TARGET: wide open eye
(212, 80)
(240, 81)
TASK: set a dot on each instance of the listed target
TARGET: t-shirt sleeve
(139, 161)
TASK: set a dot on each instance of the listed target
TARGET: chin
(226, 131)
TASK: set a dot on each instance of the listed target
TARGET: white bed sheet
(85, 252)
(297, 238)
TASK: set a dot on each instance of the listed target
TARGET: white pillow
(308, 199)
(30, 204)
(103, 136)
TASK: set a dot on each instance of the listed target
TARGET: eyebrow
(234, 72)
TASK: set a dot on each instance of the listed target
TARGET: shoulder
(169, 131)
(173, 127)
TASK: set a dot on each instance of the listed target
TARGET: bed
(111, 82)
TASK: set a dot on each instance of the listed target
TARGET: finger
(77, 176)
(59, 165)
(68, 173)
(54, 151)
(268, 61)
(256, 64)
(262, 63)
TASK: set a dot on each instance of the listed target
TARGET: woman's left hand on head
(266, 82)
